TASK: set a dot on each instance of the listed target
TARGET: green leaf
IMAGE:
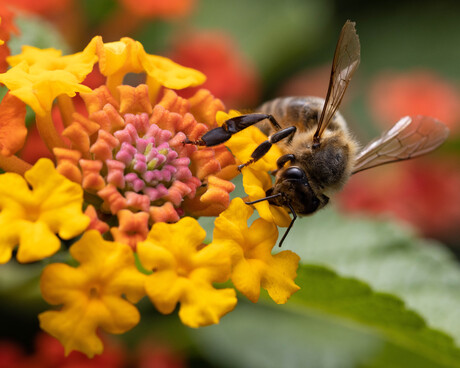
(331, 322)
(389, 258)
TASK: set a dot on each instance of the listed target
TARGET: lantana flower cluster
(126, 191)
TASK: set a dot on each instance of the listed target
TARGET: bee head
(295, 189)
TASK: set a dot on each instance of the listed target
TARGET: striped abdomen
(302, 112)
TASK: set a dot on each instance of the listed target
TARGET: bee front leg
(265, 146)
(229, 127)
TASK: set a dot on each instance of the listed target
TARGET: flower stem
(66, 108)
(14, 164)
(48, 132)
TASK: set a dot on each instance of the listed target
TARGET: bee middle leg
(265, 146)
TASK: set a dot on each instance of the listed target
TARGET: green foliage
(331, 322)
(389, 258)
(274, 34)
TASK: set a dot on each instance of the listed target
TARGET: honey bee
(319, 152)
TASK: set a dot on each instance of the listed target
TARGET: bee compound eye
(294, 173)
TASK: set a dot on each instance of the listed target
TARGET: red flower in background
(423, 192)
(38, 7)
(419, 92)
(158, 8)
(309, 82)
(49, 353)
(229, 74)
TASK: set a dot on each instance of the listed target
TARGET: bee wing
(345, 63)
(410, 137)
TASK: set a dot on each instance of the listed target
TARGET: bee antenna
(265, 198)
(288, 204)
(294, 216)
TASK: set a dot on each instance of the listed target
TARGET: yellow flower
(116, 59)
(38, 89)
(31, 218)
(91, 294)
(37, 76)
(253, 264)
(79, 64)
(256, 183)
(184, 271)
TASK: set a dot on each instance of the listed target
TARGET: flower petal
(13, 131)
(92, 294)
(203, 305)
(256, 183)
(253, 264)
(184, 271)
(31, 218)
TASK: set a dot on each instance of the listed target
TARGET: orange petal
(134, 100)
(13, 130)
(67, 163)
(204, 106)
(133, 228)
(165, 213)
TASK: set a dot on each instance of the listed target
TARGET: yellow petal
(71, 327)
(279, 278)
(119, 57)
(169, 74)
(256, 183)
(37, 241)
(62, 284)
(76, 326)
(204, 305)
(165, 289)
(184, 271)
(38, 76)
(253, 264)
(39, 88)
(97, 294)
(60, 200)
(182, 237)
(31, 218)
(246, 277)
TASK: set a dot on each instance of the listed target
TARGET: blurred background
(252, 51)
